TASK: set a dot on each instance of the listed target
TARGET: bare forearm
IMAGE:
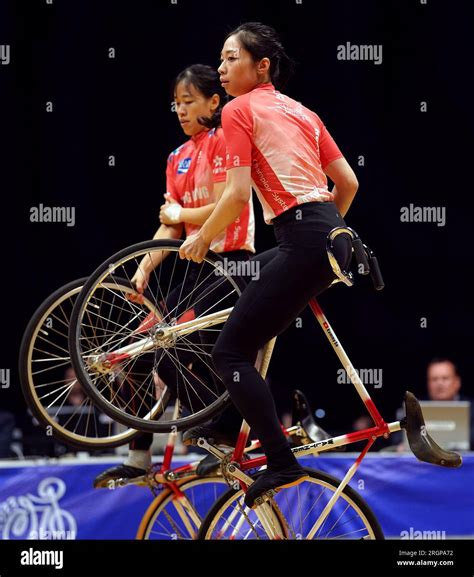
(344, 197)
(226, 211)
(197, 215)
(345, 183)
(150, 261)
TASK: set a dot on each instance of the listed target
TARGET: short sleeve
(170, 178)
(328, 149)
(238, 132)
(217, 157)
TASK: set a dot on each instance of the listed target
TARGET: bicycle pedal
(124, 481)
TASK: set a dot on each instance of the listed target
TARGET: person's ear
(215, 101)
(263, 66)
(458, 384)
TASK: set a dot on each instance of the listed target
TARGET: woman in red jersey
(286, 152)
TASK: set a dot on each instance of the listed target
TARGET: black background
(122, 107)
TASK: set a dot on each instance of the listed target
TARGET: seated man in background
(443, 383)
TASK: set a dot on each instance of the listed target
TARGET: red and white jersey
(192, 170)
(285, 143)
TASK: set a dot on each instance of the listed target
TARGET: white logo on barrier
(38, 516)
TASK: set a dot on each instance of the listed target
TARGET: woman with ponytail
(286, 152)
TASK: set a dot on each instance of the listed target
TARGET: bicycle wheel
(48, 389)
(173, 516)
(299, 507)
(164, 350)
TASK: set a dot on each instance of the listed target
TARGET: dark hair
(263, 42)
(206, 80)
(438, 360)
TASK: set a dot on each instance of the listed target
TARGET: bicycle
(311, 510)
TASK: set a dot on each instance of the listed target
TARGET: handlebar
(361, 256)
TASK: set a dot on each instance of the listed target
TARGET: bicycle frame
(237, 468)
(431, 454)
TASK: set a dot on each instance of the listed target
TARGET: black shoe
(210, 465)
(104, 479)
(212, 434)
(270, 481)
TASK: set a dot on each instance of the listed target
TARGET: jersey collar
(265, 86)
(198, 137)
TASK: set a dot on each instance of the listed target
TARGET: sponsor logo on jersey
(217, 161)
(184, 165)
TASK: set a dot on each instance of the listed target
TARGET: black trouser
(290, 275)
(191, 385)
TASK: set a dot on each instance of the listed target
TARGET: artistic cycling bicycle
(113, 339)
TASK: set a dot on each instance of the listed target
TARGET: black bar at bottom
(239, 559)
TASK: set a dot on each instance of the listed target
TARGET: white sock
(138, 458)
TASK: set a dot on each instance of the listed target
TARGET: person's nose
(222, 69)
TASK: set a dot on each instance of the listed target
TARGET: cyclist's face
(191, 105)
(443, 383)
(238, 71)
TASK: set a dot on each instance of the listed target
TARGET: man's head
(443, 381)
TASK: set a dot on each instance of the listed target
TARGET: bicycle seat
(421, 444)
(310, 431)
